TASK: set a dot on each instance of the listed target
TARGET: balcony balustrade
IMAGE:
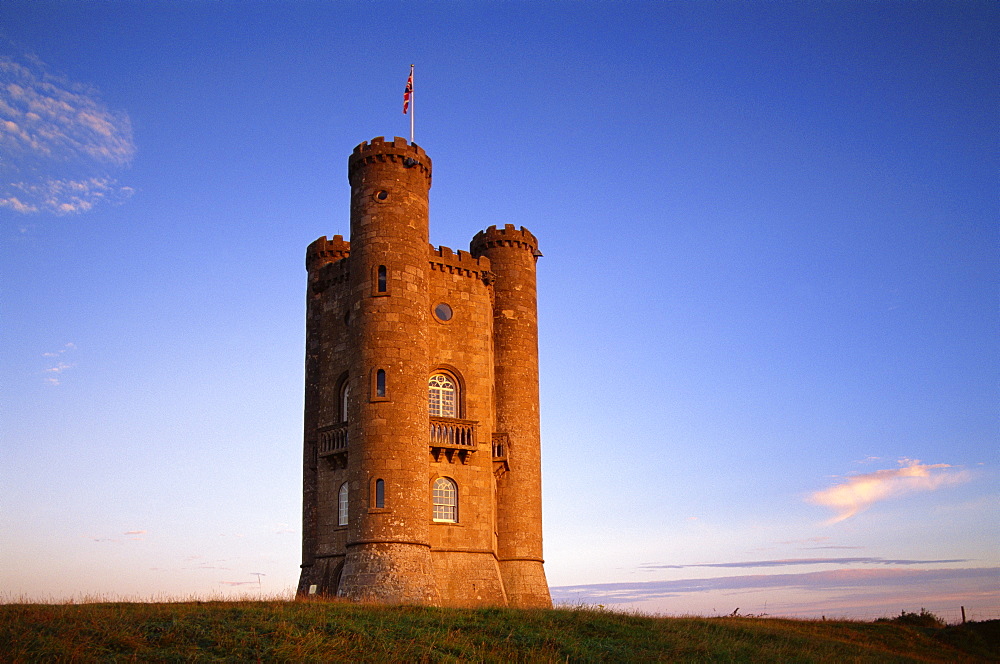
(501, 446)
(332, 443)
(452, 438)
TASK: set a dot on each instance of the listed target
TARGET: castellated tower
(422, 474)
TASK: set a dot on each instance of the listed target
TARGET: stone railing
(449, 432)
(501, 448)
(450, 437)
(332, 439)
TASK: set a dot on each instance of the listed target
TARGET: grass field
(328, 631)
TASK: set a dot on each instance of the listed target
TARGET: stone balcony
(452, 439)
(501, 444)
(332, 444)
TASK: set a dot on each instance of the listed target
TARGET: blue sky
(768, 300)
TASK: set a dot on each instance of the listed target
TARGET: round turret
(409, 155)
(388, 550)
(508, 236)
(324, 250)
(513, 253)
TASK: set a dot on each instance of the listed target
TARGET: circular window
(443, 312)
(382, 195)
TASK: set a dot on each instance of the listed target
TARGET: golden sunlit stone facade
(422, 469)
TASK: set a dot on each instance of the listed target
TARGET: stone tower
(422, 471)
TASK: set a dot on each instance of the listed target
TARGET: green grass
(319, 631)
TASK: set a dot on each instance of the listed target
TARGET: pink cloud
(859, 492)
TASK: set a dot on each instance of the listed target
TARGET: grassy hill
(280, 631)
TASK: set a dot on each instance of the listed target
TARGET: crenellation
(508, 236)
(396, 152)
(461, 263)
(325, 250)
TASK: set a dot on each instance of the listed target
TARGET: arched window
(345, 393)
(445, 500)
(380, 384)
(442, 396)
(342, 505)
(379, 494)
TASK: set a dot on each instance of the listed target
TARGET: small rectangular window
(379, 494)
(380, 384)
(342, 505)
(383, 280)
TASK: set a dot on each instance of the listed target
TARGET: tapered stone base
(524, 581)
(468, 579)
(389, 573)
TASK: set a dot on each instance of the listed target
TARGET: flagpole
(411, 103)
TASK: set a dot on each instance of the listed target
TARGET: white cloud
(69, 346)
(60, 142)
(858, 492)
(65, 196)
(17, 205)
(59, 367)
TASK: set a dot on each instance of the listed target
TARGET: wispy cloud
(785, 562)
(856, 493)
(62, 196)
(59, 367)
(808, 540)
(197, 561)
(60, 142)
(619, 593)
(131, 536)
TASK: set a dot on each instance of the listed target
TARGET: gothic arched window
(442, 396)
(342, 505)
(445, 500)
(345, 393)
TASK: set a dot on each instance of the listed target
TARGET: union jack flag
(407, 93)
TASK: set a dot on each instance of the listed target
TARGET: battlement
(409, 155)
(508, 236)
(325, 250)
(444, 259)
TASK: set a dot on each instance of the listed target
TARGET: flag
(407, 93)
